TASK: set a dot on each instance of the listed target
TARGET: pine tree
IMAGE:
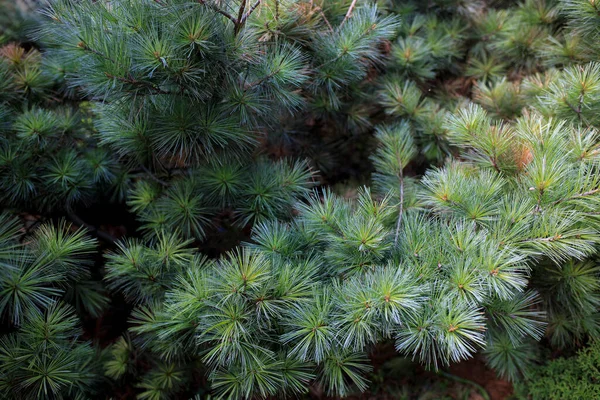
(44, 355)
(184, 92)
(473, 124)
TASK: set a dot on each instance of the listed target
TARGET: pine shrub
(469, 127)
(564, 378)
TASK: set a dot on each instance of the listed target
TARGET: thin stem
(135, 82)
(538, 206)
(264, 78)
(245, 17)
(579, 108)
(349, 13)
(84, 46)
(107, 237)
(400, 207)
(345, 51)
(130, 80)
(241, 10)
(481, 389)
(153, 177)
(573, 108)
(577, 196)
(312, 173)
(543, 240)
(240, 16)
(326, 20)
(218, 10)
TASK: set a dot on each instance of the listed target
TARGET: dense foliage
(565, 378)
(299, 182)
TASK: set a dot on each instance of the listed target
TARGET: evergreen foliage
(48, 157)
(564, 378)
(44, 356)
(473, 125)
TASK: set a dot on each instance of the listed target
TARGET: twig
(153, 177)
(400, 207)
(135, 82)
(481, 389)
(580, 104)
(131, 81)
(349, 13)
(572, 108)
(326, 20)
(218, 10)
(264, 78)
(345, 51)
(240, 16)
(494, 162)
(107, 237)
(245, 17)
(579, 108)
(577, 196)
(84, 46)
(312, 173)
(549, 239)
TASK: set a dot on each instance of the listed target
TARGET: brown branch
(400, 207)
(349, 13)
(240, 16)
(245, 17)
(326, 20)
(572, 108)
(579, 108)
(263, 79)
(578, 196)
(218, 10)
(85, 47)
(153, 177)
(107, 237)
(544, 239)
(135, 82)
(345, 51)
(131, 81)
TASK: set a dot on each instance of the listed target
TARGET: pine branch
(325, 19)
(265, 78)
(153, 177)
(218, 10)
(400, 207)
(577, 196)
(135, 82)
(241, 12)
(107, 237)
(484, 394)
(579, 108)
(243, 17)
(250, 11)
(548, 239)
(130, 81)
(84, 46)
(349, 13)
(345, 51)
